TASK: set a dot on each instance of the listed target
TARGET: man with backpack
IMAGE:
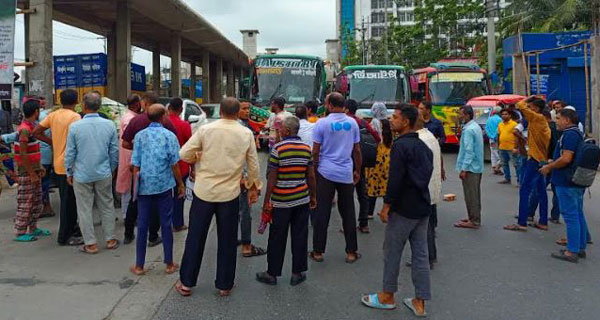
(573, 170)
(369, 138)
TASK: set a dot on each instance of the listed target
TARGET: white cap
(571, 108)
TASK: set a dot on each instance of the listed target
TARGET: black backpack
(368, 147)
(585, 164)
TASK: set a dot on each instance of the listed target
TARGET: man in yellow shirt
(507, 145)
(59, 121)
(538, 139)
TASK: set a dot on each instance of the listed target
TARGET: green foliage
(461, 21)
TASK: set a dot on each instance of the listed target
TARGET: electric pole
(491, 35)
(363, 29)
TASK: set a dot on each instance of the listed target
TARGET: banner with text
(7, 45)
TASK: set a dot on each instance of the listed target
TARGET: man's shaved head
(230, 107)
(336, 100)
(156, 112)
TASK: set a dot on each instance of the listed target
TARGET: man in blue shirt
(154, 160)
(470, 167)
(491, 130)
(570, 196)
(432, 124)
(91, 156)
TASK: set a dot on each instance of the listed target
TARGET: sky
(294, 26)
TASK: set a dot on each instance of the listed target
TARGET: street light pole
(491, 36)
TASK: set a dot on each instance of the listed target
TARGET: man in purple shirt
(336, 144)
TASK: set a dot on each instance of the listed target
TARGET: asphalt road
(481, 274)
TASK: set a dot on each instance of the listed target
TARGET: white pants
(125, 200)
(495, 155)
(95, 196)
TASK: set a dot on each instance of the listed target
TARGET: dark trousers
(532, 179)
(245, 219)
(472, 191)
(68, 210)
(147, 206)
(363, 201)
(372, 204)
(201, 215)
(296, 220)
(433, 221)
(325, 196)
(131, 218)
(178, 204)
(46, 184)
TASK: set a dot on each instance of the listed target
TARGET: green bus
(375, 83)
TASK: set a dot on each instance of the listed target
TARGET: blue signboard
(90, 70)
(544, 83)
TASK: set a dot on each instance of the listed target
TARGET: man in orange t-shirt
(58, 122)
(507, 145)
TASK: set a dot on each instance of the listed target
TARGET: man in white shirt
(306, 128)
(435, 184)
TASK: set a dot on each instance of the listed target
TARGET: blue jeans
(163, 202)
(506, 156)
(571, 207)
(532, 179)
(533, 202)
(520, 163)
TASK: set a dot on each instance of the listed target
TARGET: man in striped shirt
(291, 190)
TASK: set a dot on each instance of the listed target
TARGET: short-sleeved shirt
(31, 145)
(58, 122)
(155, 152)
(506, 137)
(46, 148)
(141, 122)
(570, 140)
(337, 134)
(183, 133)
(292, 159)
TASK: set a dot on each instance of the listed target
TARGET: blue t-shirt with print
(570, 140)
(337, 134)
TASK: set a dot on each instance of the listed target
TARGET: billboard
(7, 43)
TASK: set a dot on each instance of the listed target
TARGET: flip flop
(172, 269)
(137, 273)
(358, 256)
(182, 291)
(372, 301)
(408, 303)
(255, 252)
(85, 249)
(25, 238)
(515, 227)
(312, 256)
(39, 232)
(539, 226)
(466, 225)
(116, 244)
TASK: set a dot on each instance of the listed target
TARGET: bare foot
(137, 270)
(172, 268)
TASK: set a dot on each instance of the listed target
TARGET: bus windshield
(453, 88)
(296, 80)
(376, 85)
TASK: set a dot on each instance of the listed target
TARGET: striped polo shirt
(291, 158)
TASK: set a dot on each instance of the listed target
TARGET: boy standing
(30, 173)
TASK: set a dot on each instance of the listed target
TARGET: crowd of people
(312, 163)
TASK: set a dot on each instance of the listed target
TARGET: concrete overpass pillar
(230, 80)
(206, 77)
(193, 81)
(156, 70)
(176, 64)
(595, 86)
(111, 52)
(218, 84)
(39, 49)
(123, 51)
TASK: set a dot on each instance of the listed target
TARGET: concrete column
(519, 76)
(40, 76)
(193, 81)
(123, 51)
(176, 64)
(156, 70)
(218, 84)
(230, 80)
(595, 86)
(206, 77)
(111, 52)
(241, 83)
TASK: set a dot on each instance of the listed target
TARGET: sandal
(181, 290)
(313, 256)
(539, 226)
(466, 225)
(372, 301)
(255, 252)
(172, 268)
(112, 244)
(224, 293)
(89, 249)
(39, 232)
(515, 227)
(357, 255)
(136, 271)
(25, 238)
(562, 242)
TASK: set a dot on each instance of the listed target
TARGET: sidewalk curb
(144, 298)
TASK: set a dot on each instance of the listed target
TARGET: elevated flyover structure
(167, 27)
